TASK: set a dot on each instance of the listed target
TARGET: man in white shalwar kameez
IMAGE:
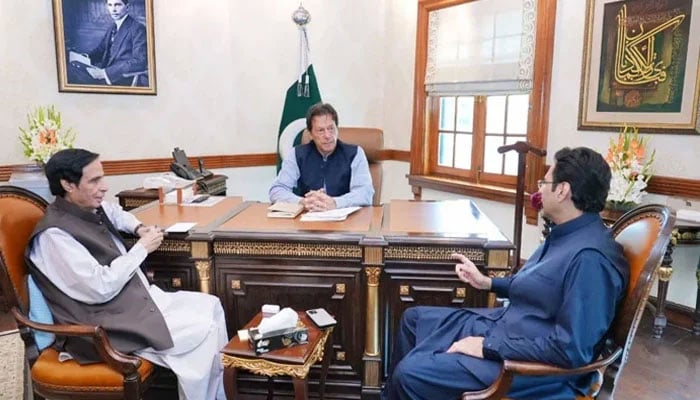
(194, 320)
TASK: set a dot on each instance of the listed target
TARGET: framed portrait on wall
(640, 66)
(105, 46)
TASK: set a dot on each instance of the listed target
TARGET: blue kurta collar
(573, 225)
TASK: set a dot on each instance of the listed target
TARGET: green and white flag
(296, 104)
(301, 95)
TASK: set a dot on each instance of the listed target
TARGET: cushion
(49, 372)
(39, 312)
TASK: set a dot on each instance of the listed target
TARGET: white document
(81, 58)
(338, 214)
(210, 201)
(181, 227)
(688, 215)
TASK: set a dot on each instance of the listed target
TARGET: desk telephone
(181, 166)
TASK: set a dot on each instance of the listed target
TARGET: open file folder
(339, 214)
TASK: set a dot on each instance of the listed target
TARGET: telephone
(181, 166)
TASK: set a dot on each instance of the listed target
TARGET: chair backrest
(20, 211)
(644, 233)
(372, 142)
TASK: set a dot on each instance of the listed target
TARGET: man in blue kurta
(325, 173)
(562, 302)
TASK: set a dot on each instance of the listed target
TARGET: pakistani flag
(300, 97)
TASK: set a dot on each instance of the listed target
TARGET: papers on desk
(339, 214)
(284, 210)
(688, 215)
(208, 202)
(180, 227)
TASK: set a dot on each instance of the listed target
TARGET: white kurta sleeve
(124, 221)
(73, 270)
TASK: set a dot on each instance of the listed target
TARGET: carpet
(12, 366)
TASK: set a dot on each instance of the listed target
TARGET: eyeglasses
(542, 182)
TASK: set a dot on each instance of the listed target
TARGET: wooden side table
(293, 361)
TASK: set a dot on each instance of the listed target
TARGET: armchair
(644, 233)
(137, 78)
(119, 376)
(372, 142)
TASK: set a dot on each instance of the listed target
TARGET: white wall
(223, 67)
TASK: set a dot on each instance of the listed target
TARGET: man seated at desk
(325, 173)
(88, 276)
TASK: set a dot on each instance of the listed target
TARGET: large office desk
(365, 271)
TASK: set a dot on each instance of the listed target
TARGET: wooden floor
(658, 369)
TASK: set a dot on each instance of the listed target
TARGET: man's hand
(151, 237)
(468, 273)
(318, 200)
(470, 345)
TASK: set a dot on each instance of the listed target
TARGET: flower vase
(615, 209)
(32, 178)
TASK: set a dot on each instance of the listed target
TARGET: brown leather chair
(120, 376)
(372, 142)
(644, 233)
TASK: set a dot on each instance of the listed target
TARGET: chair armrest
(123, 363)
(501, 385)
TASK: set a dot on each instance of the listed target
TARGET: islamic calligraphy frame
(628, 101)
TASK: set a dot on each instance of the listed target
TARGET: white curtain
(481, 47)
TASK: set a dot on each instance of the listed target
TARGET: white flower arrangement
(44, 136)
(630, 171)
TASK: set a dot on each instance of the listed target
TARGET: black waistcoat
(333, 173)
(131, 318)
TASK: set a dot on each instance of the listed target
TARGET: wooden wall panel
(664, 185)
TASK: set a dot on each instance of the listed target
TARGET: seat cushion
(50, 372)
(39, 312)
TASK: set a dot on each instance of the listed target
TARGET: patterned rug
(11, 366)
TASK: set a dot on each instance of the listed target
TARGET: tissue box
(279, 339)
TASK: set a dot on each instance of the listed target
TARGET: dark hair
(123, 1)
(320, 109)
(68, 165)
(587, 173)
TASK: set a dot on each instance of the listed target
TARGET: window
(484, 122)
(481, 82)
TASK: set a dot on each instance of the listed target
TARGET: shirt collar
(574, 224)
(120, 21)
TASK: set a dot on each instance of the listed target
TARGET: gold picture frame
(641, 66)
(105, 46)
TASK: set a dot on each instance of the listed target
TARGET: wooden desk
(180, 264)
(134, 198)
(365, 271)
(295, 361)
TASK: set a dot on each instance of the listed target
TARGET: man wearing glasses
(562, 302)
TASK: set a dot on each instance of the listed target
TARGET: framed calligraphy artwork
(640, 66)
(105, 46)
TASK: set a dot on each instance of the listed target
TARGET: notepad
(284, 210)
(180, 227)
(338, 214)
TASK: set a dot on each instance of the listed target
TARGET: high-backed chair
(120, 376)
(644, 233)
(372, 142)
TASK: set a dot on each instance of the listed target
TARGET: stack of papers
(688, 215)
(284, 210)
(339, 214)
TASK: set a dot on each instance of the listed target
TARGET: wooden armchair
(120, 376)
(644, 233)
(372, 142)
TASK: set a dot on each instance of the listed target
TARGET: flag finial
(301, 17)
